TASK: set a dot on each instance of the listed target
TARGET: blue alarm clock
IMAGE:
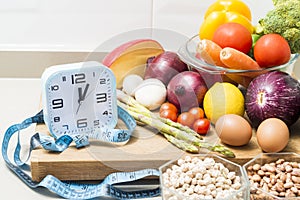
(80, 99)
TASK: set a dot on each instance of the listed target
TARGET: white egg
(130, 83)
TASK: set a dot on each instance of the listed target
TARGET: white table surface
(19, 100)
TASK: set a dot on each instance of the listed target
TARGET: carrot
(235, 59)
(209, 51)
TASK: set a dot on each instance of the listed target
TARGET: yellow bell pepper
(237, 6)
(224, 11)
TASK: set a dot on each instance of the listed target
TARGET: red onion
(164, 66)
(274, 94)
(186, 90)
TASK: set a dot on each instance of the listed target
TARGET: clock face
(80, 100)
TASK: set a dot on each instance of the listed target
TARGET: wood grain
(146, 149)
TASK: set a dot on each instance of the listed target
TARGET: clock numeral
(96, 122)
(82, 123)
(57, 103)
(105, 113)
(78, 78)
(101, 97)
(102, 81)
(54, 87)
(56, 119)
(66, 126)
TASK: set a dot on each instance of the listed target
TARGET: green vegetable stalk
(135, 106)
(177, 134)
(164, 120)
(181, 144)
(284, 19)
(161, 126)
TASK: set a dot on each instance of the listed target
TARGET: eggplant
(275, 94)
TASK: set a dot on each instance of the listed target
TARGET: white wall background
(83, 25)
(35, 34)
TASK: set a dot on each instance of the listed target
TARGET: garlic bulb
(151, 94)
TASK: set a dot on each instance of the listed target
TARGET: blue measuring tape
(74, 190)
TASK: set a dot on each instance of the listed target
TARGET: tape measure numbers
(66, 189)
(79, 102)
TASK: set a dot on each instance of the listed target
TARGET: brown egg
(272, 135)
(233, 130)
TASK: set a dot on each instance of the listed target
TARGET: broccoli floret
(284, 19)
(276, 2)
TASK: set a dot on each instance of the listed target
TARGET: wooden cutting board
(147, 148)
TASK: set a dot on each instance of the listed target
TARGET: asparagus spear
(181, 144)
(159, 125)
(177, 133)
(150, 114)
(135, 106)
(130, 101)
(218, 148)
(178, 143)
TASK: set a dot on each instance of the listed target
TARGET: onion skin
(186, 90)
(273, 95)
(164, 66)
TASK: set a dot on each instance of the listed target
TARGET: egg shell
(233, 130)
(272, 135)
(130, 83)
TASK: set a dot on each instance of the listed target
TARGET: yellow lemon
(223, 98)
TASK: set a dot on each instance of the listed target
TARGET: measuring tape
(73, 190)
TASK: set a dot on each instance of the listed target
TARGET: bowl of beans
(203, 176)
(274, 176)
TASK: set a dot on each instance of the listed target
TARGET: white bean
(201, 178)
(198, 176)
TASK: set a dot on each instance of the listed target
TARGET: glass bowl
(203, 176)
(268, 176)
(187, 54)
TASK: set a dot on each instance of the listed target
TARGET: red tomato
(186, 119)
(169, 114)
(168, 106)
(271, 50)
(233, 35)
(197, 112)
(201, 126)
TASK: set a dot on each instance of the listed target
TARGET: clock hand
(91, 91)
(79, 104)
(82, 96)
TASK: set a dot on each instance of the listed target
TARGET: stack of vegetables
(159, 90)
(227, 27)
(228, 39)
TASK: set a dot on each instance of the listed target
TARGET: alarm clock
(80, 99)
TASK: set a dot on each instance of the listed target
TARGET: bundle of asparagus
(181, 136)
